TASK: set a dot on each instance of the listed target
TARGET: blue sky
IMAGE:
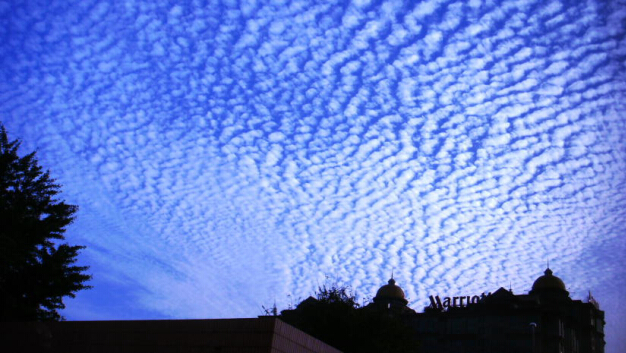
(226, 155)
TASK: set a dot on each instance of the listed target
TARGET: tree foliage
(36, 271)
(335, 317)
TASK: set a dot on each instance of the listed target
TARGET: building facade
(546, 320)
(255, 335)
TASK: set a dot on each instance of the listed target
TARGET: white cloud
(277, 142)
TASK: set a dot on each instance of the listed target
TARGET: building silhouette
(546, 320)
(254, 335)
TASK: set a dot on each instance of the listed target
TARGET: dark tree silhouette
(335, 317)
(36, 271)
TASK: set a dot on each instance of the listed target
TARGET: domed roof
(390, 291)
(548, 281)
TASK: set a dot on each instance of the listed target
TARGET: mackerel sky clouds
(226, 155)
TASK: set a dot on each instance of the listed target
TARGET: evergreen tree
(36, 269)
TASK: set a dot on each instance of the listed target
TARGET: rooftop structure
(546, 320)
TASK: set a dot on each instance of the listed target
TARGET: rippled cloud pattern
(226, 155)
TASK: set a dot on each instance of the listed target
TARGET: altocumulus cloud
(229, 154)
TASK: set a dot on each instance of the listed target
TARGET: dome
(548, 281)
(390, 292)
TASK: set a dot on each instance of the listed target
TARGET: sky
(229, 155)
